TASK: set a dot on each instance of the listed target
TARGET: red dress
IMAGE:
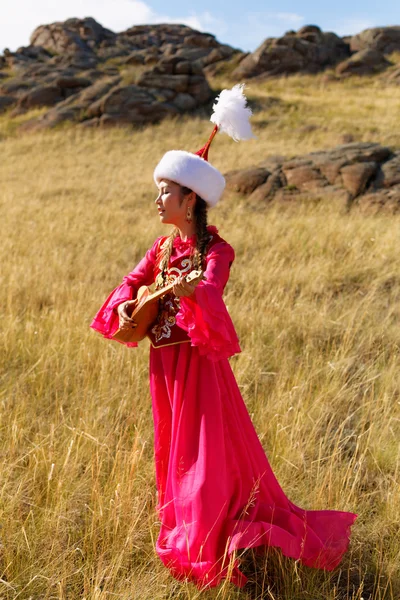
(216, 490)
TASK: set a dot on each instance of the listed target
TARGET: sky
(244, 24)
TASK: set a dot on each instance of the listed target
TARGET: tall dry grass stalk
(314, 294)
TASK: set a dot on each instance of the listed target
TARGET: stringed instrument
(145, 310)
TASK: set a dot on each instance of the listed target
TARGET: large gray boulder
(73, 35)
(381, 39)
(308, 50)
(364, 62)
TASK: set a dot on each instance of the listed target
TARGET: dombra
(145, 310)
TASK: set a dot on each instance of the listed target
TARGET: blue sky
(245, 24)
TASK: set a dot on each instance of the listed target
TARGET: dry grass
(314, 294)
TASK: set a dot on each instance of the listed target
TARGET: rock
(77, 60)
(97, 90)
(16, 86)
(76, 35)
(309, 50)
(72, 82)
(184, 102)
(6, 102)
(364, 62)
(199, 89)
(192, 54)
(267, 190)
(37, 53)
(355, 177)
(389, 175)
(201, 40)
(177, 83)
(304, 177)
(90, 123)
(40, 96)
(136, 58)
(122, 100)
(247, 180)
(383, 201)
(382, 39)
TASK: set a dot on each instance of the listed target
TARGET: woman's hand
(183, 288)
(125, 321)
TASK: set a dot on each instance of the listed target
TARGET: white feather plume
(232, 115)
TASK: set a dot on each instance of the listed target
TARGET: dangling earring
(189, 215)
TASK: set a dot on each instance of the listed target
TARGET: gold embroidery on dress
(169, 305)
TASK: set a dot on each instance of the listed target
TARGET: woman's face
(171, 203)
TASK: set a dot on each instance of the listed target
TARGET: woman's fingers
(183, 288)
(125, 321)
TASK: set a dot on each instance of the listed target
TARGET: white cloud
(23, 16)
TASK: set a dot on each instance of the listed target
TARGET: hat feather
(232, 115)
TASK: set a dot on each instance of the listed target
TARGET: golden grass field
(315, 297)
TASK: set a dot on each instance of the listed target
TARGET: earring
(189, 215)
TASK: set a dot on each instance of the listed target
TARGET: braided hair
(202, 237)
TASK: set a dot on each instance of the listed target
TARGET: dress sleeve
(204, 314)
(106, 319)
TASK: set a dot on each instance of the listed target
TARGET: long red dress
(216, 489)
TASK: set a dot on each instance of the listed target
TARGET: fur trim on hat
(193, 172)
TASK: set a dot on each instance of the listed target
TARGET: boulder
(65, 82)
(309, 50)
(382, 201)
(6, 102)
(76, 35)
(382, 39)
(247, 180)
(364, 62)
(40, 96)
(356, 176)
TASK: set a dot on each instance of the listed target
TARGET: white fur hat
(193, 172)
(231, 115)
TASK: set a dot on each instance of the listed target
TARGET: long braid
(166, 254)
(202, 235)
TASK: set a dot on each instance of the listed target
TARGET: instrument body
(145, 310)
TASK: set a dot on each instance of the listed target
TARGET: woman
(216, 490)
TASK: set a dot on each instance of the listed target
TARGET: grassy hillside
(315, 297)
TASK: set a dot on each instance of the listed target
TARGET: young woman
(216, 490)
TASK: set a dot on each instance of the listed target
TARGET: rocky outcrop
(172, 87)
(360, 174)
(154, 70)
(308, 50)
(73, 35)
(364, 62)
(382, 39)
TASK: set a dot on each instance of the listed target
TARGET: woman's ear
(191, 199)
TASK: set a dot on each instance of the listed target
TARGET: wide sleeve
(204, 314)
(106, 320)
